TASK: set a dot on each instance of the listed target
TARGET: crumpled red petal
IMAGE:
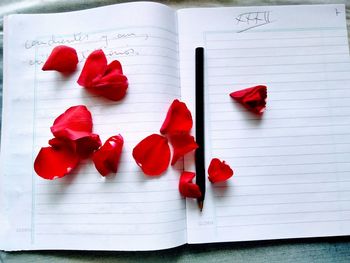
(73, 124)
(178, 119)
(186, 187)
(152, 154)
(112, 86)
(95, 66)
(102, 79)
(63, 59)
(182, 144)
(219, 171)
(83, 146)
(106, 159)
(55, 162)
(254, 98)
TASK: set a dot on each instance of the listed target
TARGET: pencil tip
(200, 205)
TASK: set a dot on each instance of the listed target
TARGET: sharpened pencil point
(200, 205)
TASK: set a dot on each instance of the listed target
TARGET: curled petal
(95, 66)
(182, 143)
(74, 123)
(152, 154)
(58, 143)
(114, 67)
(187, 188)
(56, 162)
(219, 171)
(112, 86)
(254, 98)
(106, 159)
(85, 146)
(178, 119)
(102, 79)
(63, 59)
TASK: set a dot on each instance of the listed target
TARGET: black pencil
(199, 154)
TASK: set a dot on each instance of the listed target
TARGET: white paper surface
(84, 210)
(292, 165)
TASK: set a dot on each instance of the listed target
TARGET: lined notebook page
(292, 164)
(84, 210)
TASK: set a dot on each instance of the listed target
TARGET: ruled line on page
(277, 47)
(286, 213)
(285, 203)
(280, 82)
(111, 234)
(272, 56)
(112, 224)
(270, 38)
(115, 213)
(218, 187)
(283, 223)
(284, 193)
(280, 146)
(115, 202)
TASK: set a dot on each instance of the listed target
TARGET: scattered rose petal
(112, 86)
(152, 154)
(73, 141)
(187, 188)
(178, 119)
(182, 144)
(106, 159)
(102, 79)
(73, 124)
(62, 142)
(94, 67)
(55, 162)
(85, 146)
(254, 98)
(63, 59)
(219, 171)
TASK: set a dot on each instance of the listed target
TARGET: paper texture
(84, 210)
(292, 164)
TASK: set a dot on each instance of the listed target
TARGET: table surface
(335, 249)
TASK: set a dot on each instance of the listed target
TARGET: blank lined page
(292, 163)
(126, 211)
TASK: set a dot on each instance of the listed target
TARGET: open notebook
(292, 166)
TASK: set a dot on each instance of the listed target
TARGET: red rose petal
(219, 171)
(187, 188)
(152, 154)
(56, 162)
(63, 59)
(114, 67)
(112, 86)
(182, 144)
(85, 146)
(178, 119)
(106, 159)
(95, 66)
(62, 142)
(102, 79)
(254, 98)
(74, 123)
